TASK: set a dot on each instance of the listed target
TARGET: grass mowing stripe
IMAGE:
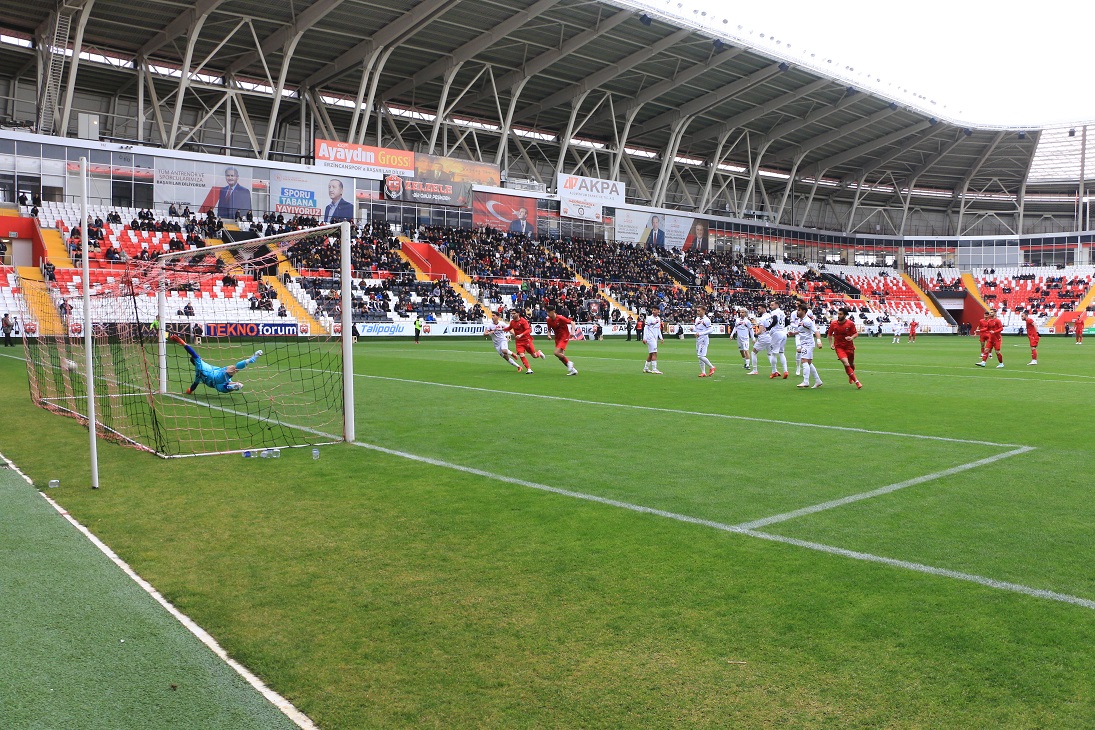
(764, 522)
(741, 530)
(692, 413)
(921, 568)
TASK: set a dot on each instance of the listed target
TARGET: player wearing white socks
(652, 332)
(896, 332)
(807, 336)
(763, 342)
(702, 329)
(496, 330)
(743, 331)
(779, 340)
(792, 329)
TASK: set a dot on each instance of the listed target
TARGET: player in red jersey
(1032, 335)
(842, 334)
(913, 327)
(994, 329)
(982, 331)
(1081, 319)
(522, 334)
(560, 325)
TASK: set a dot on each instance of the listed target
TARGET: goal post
(209, 350)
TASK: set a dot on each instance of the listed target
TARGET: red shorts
(985, 342)
(995, 342)
(524, 346)
(842, 354)
(561, 344)
(1033, 340)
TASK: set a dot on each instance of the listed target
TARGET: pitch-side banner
(504, 213)
(661, 231)
(584, 198)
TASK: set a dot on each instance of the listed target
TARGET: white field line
(735, 363)
(921, 568)
(285, 706)
(740, 530)
(703, 414)
(765, 521)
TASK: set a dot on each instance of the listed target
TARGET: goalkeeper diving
(219, 379)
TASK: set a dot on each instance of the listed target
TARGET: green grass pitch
(619, 549)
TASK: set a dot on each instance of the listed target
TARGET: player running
(652, 332)
(495, 330)
(522, 335)
(842, 334)
(560, 326)
(1032, 337)
(806, 336)
(776, 352)
(702, 329)
(743, 331)
(994, 329)
(220, 379)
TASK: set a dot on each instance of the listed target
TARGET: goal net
(200, 351)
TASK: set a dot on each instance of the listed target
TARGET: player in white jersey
(792, 329)
(778, 331)
(806, 338)
(896, 332)
(652, 332)
(761, 323)
(495, 329)
(702, 329)
(743, 331)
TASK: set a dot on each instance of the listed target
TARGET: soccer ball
(69, 364)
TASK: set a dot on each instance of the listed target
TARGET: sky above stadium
(979, 63)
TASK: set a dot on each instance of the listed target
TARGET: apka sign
(584, 198)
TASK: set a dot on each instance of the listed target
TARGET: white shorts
(743, 343)
(651, 345)
(763, 343)
(701, 345)
(501, 349)
(779, 341)
(806, 350)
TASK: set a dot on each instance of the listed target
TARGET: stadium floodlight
(191, 353)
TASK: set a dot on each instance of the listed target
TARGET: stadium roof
(603, 70)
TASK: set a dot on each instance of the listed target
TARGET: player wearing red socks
(842, 334)
(522, 335)
(560, 325)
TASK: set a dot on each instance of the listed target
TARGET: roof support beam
(827, 137)
(470, 49)
(755, 113)
(839, 159)
(661, 187)
(621, 142)
(547, 58)
(77, 46)
(603, 76)
(399, 29)
(283, 36)
(705, 102)
(653, 92)
(450, 76)
(180, 25)
(892, 155)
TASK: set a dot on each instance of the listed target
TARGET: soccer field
(620, 549)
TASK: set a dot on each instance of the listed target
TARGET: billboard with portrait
(661, 231)
(330, 198)
(503, 212)
(204, 186)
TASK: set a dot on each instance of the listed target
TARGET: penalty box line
(705, 414)
(741, 530)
